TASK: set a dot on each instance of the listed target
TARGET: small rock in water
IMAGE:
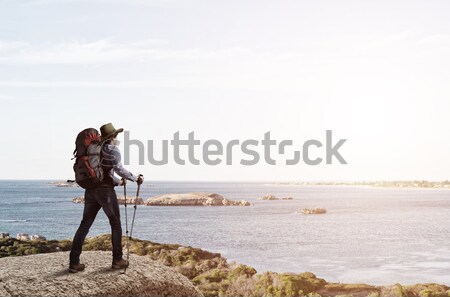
(79, 200)
(316, 210)
(269, 197)
(272, 197)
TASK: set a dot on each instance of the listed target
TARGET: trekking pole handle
(140, 178)
(139, 181)
(137, 193)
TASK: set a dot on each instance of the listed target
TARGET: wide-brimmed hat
(108, 131)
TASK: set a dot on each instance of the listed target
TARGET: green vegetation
(13, 247)
(214, 276)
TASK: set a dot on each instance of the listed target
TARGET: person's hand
(140, 179)
(123, 182)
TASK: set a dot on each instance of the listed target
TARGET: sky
(374, 72)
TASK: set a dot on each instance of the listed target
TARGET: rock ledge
(47, 275)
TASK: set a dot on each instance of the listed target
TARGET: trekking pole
(126, 219)
(132, 221)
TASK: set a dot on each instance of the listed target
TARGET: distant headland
(380, 184)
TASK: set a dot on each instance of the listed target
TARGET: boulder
(48, 275)
(194, 199)
(22, 236)
(38, 237)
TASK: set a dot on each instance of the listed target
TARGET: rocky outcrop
(316, 210)
(194, 199)
(37, 237)
(47, 275)
(22, 236)
(25, 237)
(210, 272)
(120, 200)
(272, 197)
(397, 290)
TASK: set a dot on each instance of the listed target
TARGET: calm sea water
(376, 236)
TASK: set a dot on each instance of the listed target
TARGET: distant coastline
(393, 184)
(413, 184)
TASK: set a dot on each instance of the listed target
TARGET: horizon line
(265, 181)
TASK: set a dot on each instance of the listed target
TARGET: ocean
(372, 235)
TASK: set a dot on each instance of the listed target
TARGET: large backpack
(87, 167)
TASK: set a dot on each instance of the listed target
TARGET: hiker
(104, 196)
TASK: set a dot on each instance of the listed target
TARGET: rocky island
(194, 199)
(316, 210)
(64, 184)
(120, 200)
(273, 197)
(187, 199)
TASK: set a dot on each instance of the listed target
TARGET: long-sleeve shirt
(112, 163)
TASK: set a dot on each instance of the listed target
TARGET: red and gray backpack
(87, 167)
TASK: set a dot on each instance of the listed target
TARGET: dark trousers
(94, 199)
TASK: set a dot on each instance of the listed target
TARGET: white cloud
(2, 97)
(436, 40)
(109, 51)
(217, 82)
(101, 51)
(341, 65)
(9, 46)
(165, 3)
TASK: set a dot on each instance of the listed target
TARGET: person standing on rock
(104, 196)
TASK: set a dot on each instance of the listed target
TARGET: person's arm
(117, 181)
(122, 172)
(117, 165)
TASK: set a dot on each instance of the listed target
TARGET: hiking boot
(74, 268)
(119, 263)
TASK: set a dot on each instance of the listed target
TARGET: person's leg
(111, 208)
(91, 208)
